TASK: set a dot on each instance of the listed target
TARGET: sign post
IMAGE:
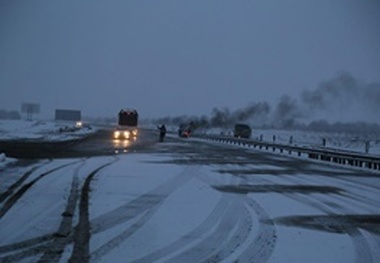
(30, 109)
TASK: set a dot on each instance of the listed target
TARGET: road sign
(30, 109)
(67, 115)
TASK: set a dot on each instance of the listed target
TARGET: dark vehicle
(242, 131)
(127, 124)
(185, 130)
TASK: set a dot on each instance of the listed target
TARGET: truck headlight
(126, 134)
(78, 124)
(116, 134)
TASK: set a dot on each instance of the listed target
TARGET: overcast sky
(179, 57)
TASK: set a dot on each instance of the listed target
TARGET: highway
(183, 200)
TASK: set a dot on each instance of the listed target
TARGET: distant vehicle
(127, 124)
(242, 131)
(185, 129)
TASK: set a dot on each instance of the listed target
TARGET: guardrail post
(351, 159)
(367, 146)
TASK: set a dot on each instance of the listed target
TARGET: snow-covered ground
(42, 130)
(360, 143)
(4, 160)
(173, 208)
(215, 204)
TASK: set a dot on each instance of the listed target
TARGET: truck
(242, 130)
(127, 125)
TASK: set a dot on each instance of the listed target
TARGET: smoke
(340, 90)
(343, 99)
(287, 113)
(342, 103)
(220, 117)
(255, 111)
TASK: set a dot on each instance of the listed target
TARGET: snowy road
(187, 201)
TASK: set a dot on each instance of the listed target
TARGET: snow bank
(360, 143)
(42, 130)
(4, 160)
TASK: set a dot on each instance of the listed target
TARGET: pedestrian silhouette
(162, 129)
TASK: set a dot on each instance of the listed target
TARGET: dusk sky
(179, 57)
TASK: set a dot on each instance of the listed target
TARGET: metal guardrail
(324, 154)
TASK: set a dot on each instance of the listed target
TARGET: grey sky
(179, 57)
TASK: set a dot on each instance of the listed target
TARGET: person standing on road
(162, 129)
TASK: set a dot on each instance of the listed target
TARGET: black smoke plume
(340, 104)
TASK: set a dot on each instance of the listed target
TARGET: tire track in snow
(143, 206)
(184, 241)
(225, 236)
(12, 200)
(19, 182)
(254, 249)
(24, 254)
(110, 245)
(362, 248)
(262, 246)
(50, 246)
(233, 238)
(238, 236)
(62, 236)
(349, 184)
(45, 243)
(81, 238)
(207, 249)
(362, 244)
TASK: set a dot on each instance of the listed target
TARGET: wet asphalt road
(98, 144)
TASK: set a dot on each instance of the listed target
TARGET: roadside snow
(360, 143)
(4, 160)
(41, 130)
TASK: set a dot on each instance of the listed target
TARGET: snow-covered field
(42, 130)
(360, 143)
